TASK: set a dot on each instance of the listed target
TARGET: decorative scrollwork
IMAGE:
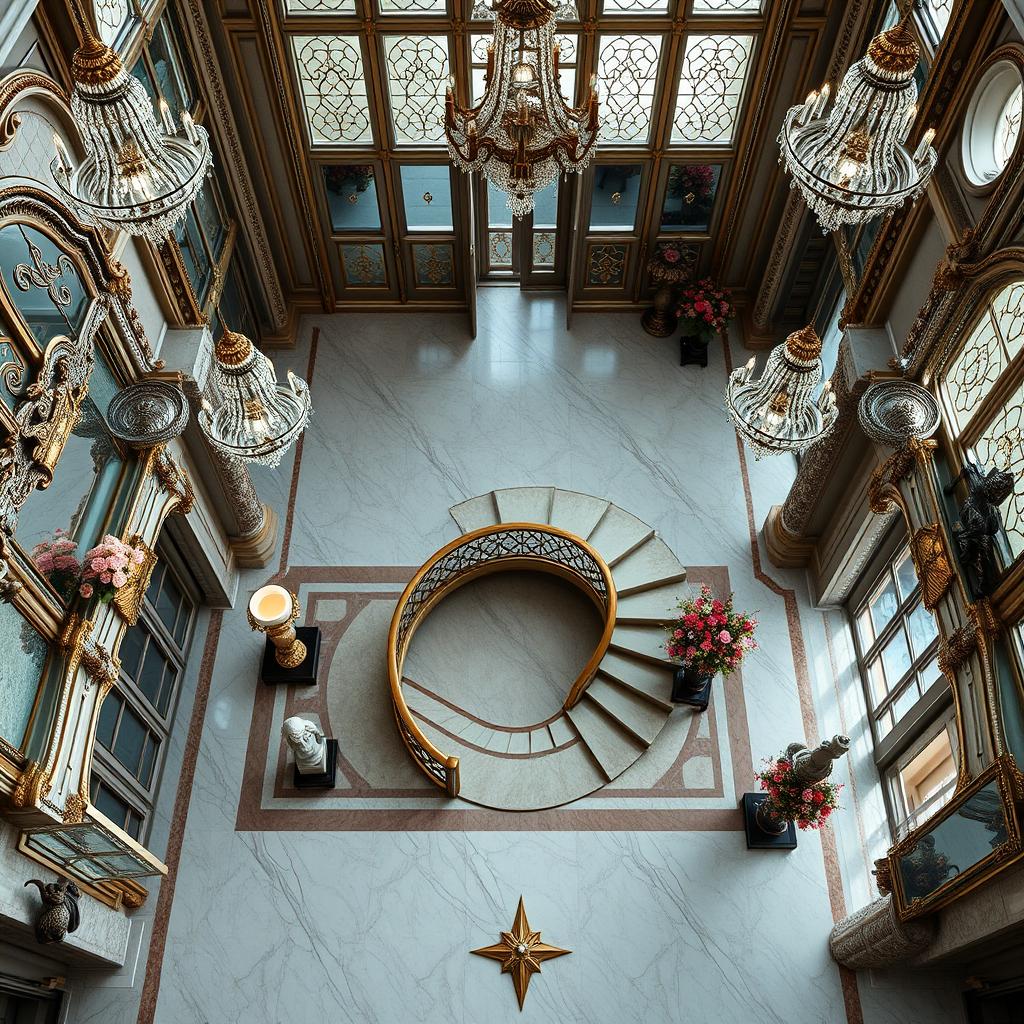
(710, 87)
(330, 72)
(417, 71)
(45, 276)
(628, 67)
(433, 264)
(363, 263)
(606, 264)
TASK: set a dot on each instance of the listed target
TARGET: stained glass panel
(727, 6)
(112, 16)
(937, 12)
(330, 70)
(1002, 444)
(433, 264)
(352, 197)
(634, 6)
(412, 6)
(606, 265)
(320, 6)
(543, 250)
(690, 197)
(499, 250)
(363, 265)
(627, 68)
(417, 69)
(710, 88)
(1008, 129)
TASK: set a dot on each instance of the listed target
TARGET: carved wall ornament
(957, 648)
(148, 413)
(128, 599)
(173, 479)
(933, 564)
(74, 809)
(874, 936)
(893, 411)
(60, 909)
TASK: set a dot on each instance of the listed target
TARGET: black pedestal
(757, 838)
(324, 780)
(689, 688)
(304, 674)
(692, 352)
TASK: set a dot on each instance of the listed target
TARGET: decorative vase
(693, 350)
(659, 321)
(689, 686)
(768, 820)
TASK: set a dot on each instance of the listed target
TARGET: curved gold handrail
(517, 546)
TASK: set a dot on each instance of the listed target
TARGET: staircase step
(561, 731)
(475, 513)
(524, 504)
(639, 715)
(650, 565)
(656, 605)
(643, 641)
(576, 513)
(617, 534)
(652, 681)
(613, 747)
(438, 712)
(540, 739)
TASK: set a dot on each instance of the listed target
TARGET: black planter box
(303, 674)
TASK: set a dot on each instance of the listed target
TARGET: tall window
(912, 717)
(136, 716)
(983, 394)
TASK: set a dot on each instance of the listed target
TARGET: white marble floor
(411, 417)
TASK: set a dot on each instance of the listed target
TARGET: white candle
(190, 128)
(271, 605)
(165, 116)
(925, 144)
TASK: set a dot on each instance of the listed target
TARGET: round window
(993, 123)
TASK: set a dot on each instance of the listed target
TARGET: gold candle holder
(273, 610)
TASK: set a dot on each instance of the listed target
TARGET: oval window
(992, 128)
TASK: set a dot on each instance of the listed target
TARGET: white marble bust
(307, 744)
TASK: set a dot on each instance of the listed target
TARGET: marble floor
(325, 918)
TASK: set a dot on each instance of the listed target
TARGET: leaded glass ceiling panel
(635, 6)
(727, 6)
(330, 70)
(320, 6)
(627, 68)
(412, 6)
(710, 88)
(417, 69)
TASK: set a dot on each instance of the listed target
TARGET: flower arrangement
(697, 180)
(809, 804)
(55, 558)
(709, 636)
(107, 568)
(705, 309)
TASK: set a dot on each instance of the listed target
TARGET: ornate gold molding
(957, 648)
(933, 564)
(128, 600)
(883, 491)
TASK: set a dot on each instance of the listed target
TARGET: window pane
(634, 6)
(352, 197)
(545, 209)
(193, 255)
(883, 604)
(154, 680)
(427, 195)
(21, 670)
(412, 6)
(879, 687)
(173, 78)
(690, 197)
(938, 13)
(209, 213)
(109, 711)
(906, 574)
(726, 6)
(320, 6)
(896, 658)
(927, 782)
(1008, 307)
(330, 70)
(498, 213)
(922, 627)
(864, 628)
(616, 191)
(710, 87)
(417, 68)
(130, 740)
(169, 605)
(906, 700)
(106, 802)
(930, 674)
(974, 371)
(627, 68)
(112, 17)
(133, 646)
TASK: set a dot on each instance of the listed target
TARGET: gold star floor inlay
(520, 953)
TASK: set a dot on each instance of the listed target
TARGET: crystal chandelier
(522, 134)
(852, 165)
(776, 413)
(137, 176)
(256, 419)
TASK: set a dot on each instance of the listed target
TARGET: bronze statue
(60, 909)
(980, 522)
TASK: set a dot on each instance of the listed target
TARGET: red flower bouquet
(56, 559)
(708, 636)
(705, 309)
(809, 804)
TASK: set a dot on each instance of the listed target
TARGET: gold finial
(232, 348)
(895, 51)
(804, 344)
(93, 63)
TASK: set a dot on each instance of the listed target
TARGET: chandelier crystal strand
(522, 134)
(852, 165)
(138, 175)
(257, 419)
(777, 412)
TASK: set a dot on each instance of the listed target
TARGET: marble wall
(411, 416)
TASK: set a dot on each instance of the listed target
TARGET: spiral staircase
(621, 701)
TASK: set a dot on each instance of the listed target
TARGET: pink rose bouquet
(705, 309)
(55, 558)
(809, 804)
(108, 567)
(709, 636)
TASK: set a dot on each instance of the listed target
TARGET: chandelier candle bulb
(925, 144)
(165, 116)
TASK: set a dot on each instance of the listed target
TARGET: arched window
(983, 394)
(992, 125)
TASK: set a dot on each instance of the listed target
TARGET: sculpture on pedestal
(796, 794)
(315, 755)
(980, 523)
